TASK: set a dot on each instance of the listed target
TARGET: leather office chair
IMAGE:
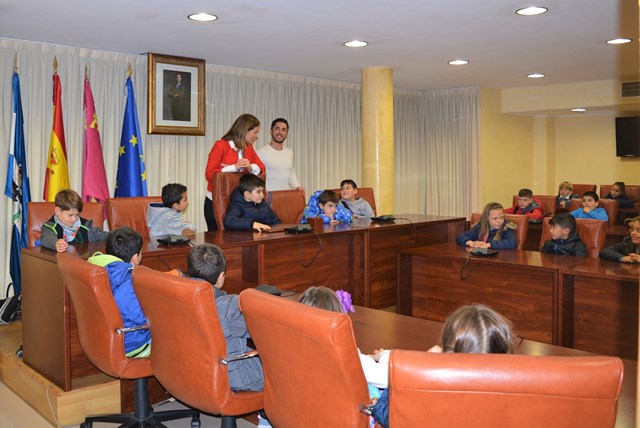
(365, 193)
(609, 205)
(40, 212)
(99, 323)
(548, 204)
(521, 220)
(222, 185)
(188, 344)
(580, 189)
(497, 390)
(312, 371)
(130, 212)
(592, 233)
(288, 204)
(632, 191)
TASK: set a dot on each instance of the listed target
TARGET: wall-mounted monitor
(627, 136)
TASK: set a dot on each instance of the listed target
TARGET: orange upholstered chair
(40, 212)
(188, 344)
(100, 332)
(498, 390)
(288, 204)
(365, 193)
(222, 185)
(592, 233)
(609, 205)
(312, 372)
(130, 212)
(521, 220)
(581, 188)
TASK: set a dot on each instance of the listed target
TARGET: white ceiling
(415, 37)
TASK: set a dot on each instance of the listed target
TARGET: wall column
(377, 136)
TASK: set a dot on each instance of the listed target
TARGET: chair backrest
(631, 190)
(222, 185)
(521, 220)
(365, 193)
(548, 204)
(498, 390)
(581, 188)
(609, 205)
(592, 233)
(130, 212)
(187, 341)
(288, 204)
(40, 212)
(302, 349)
(98, 318)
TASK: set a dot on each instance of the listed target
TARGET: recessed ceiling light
(531, 11)
(535, 75)
(579, 109)
(620, 41)
(356, 44)
(202, 17)
(459, 62)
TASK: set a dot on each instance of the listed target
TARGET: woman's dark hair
(477, 329)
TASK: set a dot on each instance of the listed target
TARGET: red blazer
(222, 155)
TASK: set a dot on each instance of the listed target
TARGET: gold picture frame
(175, 95)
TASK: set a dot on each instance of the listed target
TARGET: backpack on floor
(9, 306)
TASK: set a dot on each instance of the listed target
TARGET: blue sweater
(506, 240)
(596, 214)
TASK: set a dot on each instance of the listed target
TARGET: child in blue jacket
(492, 231)
(248, 208)
(590, 208)
(325, 204)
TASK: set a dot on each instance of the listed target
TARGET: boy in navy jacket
(248, 208)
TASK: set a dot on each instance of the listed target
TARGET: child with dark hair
(590, 208)
(474, 329)
(166, 218)
(325, 204)
(350, 200)
(617, 194)
(248, 209)
(492, 231)
(528, 206)
(564, 237)
(124, 253)
(628, 251)
(66, 226)
(207, 262)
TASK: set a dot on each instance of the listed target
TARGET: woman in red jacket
(234, 152)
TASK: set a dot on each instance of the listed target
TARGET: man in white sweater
(278, 160)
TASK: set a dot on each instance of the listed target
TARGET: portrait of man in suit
(177, 105)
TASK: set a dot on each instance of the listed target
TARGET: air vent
(629, 89)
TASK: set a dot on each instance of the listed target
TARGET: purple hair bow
(345, 299)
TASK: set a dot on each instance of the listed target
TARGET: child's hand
(632, 258)
(436, 349)
(61, 245)
(334, 221)
(377, 353)
(586, 210)
(260, 227)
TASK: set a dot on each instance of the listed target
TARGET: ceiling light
(459, 62)
(535, 75)
(202, 17)
(356, 44)
(579, 109)
(620, 41)
(531, 11)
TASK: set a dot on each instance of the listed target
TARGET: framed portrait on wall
(175, 95)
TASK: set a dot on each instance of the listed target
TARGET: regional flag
(57, 175)
(94, 176)
(131, 179)
(17, 185)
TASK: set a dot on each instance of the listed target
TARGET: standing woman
(234, 152)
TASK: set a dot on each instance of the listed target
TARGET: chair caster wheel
(195, 423)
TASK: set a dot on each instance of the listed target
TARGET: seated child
(565, 194)
(474, 329)
(124, 253)
(492, 231)
(66, 226)
(166, 218)
(628, 251)
(527, 205)
(206, 262)
(617, 194)
(248, 208)
(325, 205)
(590, 209)
(350, 200)
(564, 237)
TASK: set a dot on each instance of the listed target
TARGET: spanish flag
(57, 175)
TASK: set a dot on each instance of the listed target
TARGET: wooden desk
(374, 329)
(599, 307)
(522, 285)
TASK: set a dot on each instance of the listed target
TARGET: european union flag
(131, 179)
(17, 185)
